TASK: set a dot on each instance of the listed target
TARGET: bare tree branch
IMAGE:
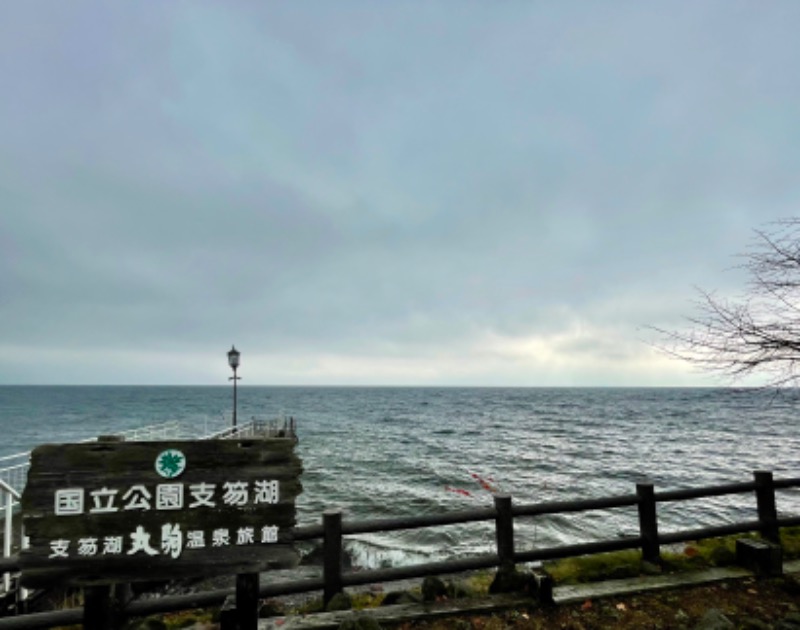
(759, 334)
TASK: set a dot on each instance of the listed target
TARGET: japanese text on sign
(172, 543)
(165, 496)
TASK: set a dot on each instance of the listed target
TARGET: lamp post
(233, 361)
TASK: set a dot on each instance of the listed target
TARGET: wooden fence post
(247, 601)
(648, 522)
(504, 530)
(767, 511)
(121, 595)
(97, 610)
(332, 553)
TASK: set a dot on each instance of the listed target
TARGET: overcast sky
(433, 193)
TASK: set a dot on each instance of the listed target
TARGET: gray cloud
(410, 183)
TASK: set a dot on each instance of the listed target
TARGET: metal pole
(233, 361)
(9, 532)
(235, 378)
(23, 592)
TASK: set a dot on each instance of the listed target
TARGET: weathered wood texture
(98, 468)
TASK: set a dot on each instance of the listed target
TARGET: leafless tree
(758, 334)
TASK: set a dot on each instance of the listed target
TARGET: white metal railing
(14, 470)
(164, 431)
(14, 473)
(276, 427)
(12, 497)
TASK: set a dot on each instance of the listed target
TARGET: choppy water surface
(393, 451)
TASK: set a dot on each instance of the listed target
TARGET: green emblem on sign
(170, 463)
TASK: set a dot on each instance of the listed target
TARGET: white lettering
(140, 541)
(87, 546)
(203, 495)
(195, 539)
(169, 496)
(269, 534)
(59, 548)
(137, 497)
(101, 507)
(112, 544)
(245, 536)
(69, 501)
(266, 491)
(220, 538)
(235, 493)
(171, 540)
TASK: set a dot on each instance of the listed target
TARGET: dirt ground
(752, 604)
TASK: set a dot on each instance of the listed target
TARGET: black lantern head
(233, 357)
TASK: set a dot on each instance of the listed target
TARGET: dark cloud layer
(411, 193)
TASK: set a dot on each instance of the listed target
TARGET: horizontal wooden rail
(789, 521)
(581, 549)
(333, 529)
(307, 532)
(701, 493)
(416, 522)
(709, 532)
(581, 505)
(790, 482)
(31, 621)
(11, 563)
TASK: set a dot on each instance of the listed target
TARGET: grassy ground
(748, 603)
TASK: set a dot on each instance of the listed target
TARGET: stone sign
(104, 512)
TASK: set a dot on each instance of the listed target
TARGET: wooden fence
(504, 513)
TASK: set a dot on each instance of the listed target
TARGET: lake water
(378, 452)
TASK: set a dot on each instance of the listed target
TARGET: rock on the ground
(433, 588)
(512, 581)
